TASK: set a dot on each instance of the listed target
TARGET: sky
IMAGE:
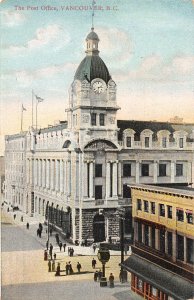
(147, 45)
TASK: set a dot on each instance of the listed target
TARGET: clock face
(98, 87)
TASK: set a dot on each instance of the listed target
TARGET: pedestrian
(94, 247)
(58, 272)
(27, 225)
(45, 255)
(60, 245)
(22, 218)
(96, 275)
(47, 245)
(93, 263)
(14, 216)
(111, 280)
(72, 251)
(64, 246)
(8, 209)
(53, 266)
(110, 240)
(55, 256)
(57, 238)
(49, 265)
(99, 275)
(51, 250)
(70, 268)
(40, 233)
(51, 231)
(79, 267)
(67, 269)
(69, 250)
(40, 226)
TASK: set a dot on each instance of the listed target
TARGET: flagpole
(22, 118)
(36, 113)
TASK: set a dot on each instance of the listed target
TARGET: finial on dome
(92, 28)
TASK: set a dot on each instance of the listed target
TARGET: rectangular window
(154, 291)
(93, 119)
(162, 210)
(146, 235)
(164, 142)
(190, 251)
(128, 141)
(189, 216)
(126, 170)
(179, 169)
(139, 207)
(102, 119)
(153, 208)
(147, 142)
(153, 237)
(169, 240)
(145, 169)
(180, 247)
(146, 206)
(98, 170)
(98, 192)
(162, 169)
(139, 228)
(140, 284)
(169, 210)
(162, 241)
(180, 215)
(181, 142)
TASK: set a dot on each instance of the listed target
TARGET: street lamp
(103, 256)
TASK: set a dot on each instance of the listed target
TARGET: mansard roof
(139, 126)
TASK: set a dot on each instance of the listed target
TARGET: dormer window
(181, 142)
(147, 142)
(128, 141)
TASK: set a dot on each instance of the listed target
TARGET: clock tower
(92, 104)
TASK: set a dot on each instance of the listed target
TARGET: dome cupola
(92, 66)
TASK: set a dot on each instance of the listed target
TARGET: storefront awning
(166, 281)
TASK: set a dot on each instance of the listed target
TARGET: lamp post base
(103, 281)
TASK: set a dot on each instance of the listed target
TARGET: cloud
(12, 18)
(113, 41)
(26, 77)
(52, 35)
(154, 68)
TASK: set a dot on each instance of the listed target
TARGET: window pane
(93, 119)
(162, 210)
(162, 169)
(190, 251)
(146, 208)
(181, 143)
(180, 215)
(126, 170)
(180, 247)
(98, 170)
(145, 169)
(126, 191)
(147, 142)
(169, 211)
(153, 207)
(179, 169)
(138, 204)
(98, 192)
(101, 119)
(169, 239)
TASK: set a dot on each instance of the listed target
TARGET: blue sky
(147, 45)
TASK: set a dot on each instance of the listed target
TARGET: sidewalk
(34, 221)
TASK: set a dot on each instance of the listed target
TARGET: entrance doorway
(99, 228)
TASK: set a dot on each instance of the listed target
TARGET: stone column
(44, 173)
(56, 175)
(107, 180)
(32, 171)
(189, 172)
(69, 177)
(174, 250)
(150, 236)
(172, 171)
(107, 231)
(47, 173)
(166, 242)
(155, 171)
(65, 177)
(80, 225)
(91, 179)
(61, 176)
(52, 177)
(137, 172)
(40, 172)
(35, 172)
(85, 179)
(115, 179)
(119, 179)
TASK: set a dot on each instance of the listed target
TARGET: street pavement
(25, 274)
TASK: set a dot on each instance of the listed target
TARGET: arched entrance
(99, 228)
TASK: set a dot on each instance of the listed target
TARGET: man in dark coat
(93, 263)
(79, 267)
(67, 269)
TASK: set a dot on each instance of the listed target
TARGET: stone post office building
(77, 172)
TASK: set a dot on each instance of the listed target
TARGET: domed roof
(92, 35)
(94, 67)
